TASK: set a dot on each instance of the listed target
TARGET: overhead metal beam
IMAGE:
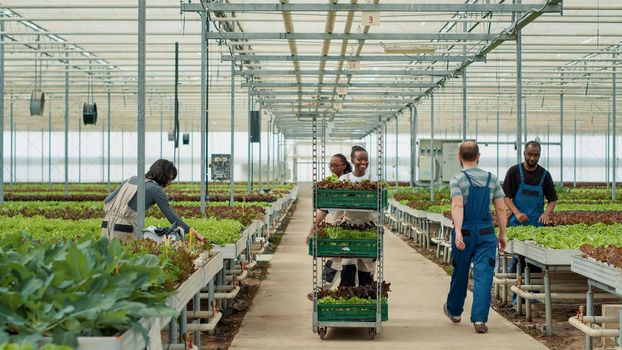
(378, 58)
(401, 72)
(352, 85)
(257, 7)
(358, 36)
(350, 93)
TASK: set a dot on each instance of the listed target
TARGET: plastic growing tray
(232, 250)
(349, 199)
(359, 248)
(199, 279)
(597, 271)
(350, 312)
(543, 255)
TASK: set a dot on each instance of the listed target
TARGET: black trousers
(348, 276)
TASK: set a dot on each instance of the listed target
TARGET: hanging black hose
(176, 127)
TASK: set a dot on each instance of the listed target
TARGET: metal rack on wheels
(358, 316)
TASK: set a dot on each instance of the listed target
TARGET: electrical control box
(438, 159)
(221, 167)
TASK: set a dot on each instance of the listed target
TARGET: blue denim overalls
(529, 200)
(481, 243)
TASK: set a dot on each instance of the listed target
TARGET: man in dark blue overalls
(473, 238)
(525, 187)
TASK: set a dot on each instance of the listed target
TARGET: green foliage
(41, 228)
(342, 233)
(29, 346)
(214, 230)
(67, 289)
(350, 300)
(569, 236)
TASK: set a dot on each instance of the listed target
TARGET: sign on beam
(354, 65)
(370, 19)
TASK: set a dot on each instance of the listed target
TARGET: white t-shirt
(352, 178)
(357, 217)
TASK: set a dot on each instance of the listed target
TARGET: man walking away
(473, 237)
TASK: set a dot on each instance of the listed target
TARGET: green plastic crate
(349, 199)
(360, 248)
(351, 312)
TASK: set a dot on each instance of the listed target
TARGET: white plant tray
(597, 271)
(129, 340)
(542, 255)
(232, 250)
(436, 217)
(199, 279)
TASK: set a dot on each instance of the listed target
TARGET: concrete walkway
(281, 315)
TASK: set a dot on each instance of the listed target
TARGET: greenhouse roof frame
(578, 49)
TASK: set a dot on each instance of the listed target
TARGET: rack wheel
(321, 331)
(372, 333)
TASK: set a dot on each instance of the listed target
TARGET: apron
(120, 220)
(481, 243)
(529, 200)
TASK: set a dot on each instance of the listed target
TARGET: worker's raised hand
(197, 235)
(522, 217)
(545, 219)
(460, 241)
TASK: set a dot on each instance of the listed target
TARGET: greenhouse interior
(261, 174)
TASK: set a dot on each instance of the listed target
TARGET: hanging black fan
(89, 113)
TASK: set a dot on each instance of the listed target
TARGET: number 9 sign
(370, 19)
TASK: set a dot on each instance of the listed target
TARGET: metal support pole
(525, 119)
(192, 154)
(140, 169)
(67, 124)
(497, 137)
(109, 114)
(465, 29)
(608, 143)
(278, 157)
(561, 132)
(269, 135)
(614, 162)
(79, 150)
(103, 153)
(413, 145)
(432, 150)
(1, 112)
(161, 126)
(249, 189)
(231, 182)
(42, 157)
(548, 149)
(204, 113)
(519, 86)
(464, 105)
(259, 187)
(12, 125)
(589, 311)
(574, 161)
(122, 154)
(547, 303)
(397, 154)
(50, 147)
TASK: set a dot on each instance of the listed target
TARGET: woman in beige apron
(357, 271)
(339, 166)
(120, 206)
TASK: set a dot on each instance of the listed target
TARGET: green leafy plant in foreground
(67, 289)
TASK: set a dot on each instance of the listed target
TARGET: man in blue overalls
(473, 238)
(525, 187)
